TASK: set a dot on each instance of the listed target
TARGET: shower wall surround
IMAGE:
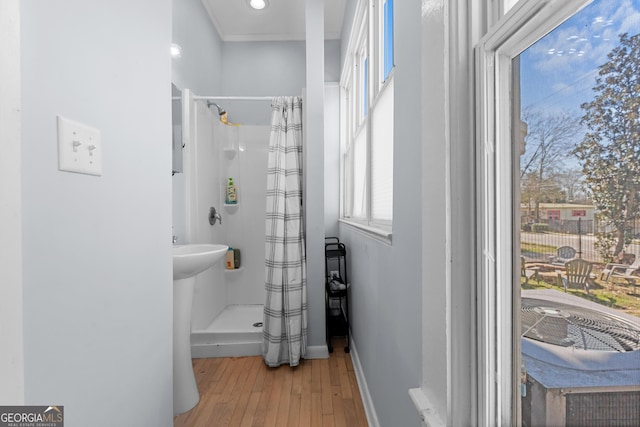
(213, 153)
(202, 191)
(245, 223)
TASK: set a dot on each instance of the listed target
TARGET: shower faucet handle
(214, 216)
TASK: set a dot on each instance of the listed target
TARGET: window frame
(498, 338)
(366, 41)
(553, 214)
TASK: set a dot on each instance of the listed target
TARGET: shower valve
(214, 216)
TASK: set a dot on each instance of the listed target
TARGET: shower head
(220, 109)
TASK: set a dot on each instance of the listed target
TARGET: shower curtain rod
(235, 98)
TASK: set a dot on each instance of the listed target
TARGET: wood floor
(243, 391)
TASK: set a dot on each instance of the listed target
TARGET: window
(364, 79)
(498, 324)
(553, 215)
(387, 38)
(366, 121)
(580, 212)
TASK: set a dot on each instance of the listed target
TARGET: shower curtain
(285, 309)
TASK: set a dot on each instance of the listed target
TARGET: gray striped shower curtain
(285, 309)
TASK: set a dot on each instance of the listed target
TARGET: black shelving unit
(336, 291)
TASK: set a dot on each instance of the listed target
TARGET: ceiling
(281, 20)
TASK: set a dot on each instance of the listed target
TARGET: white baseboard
(317, 352)
(369, 409)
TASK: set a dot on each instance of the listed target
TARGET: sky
(558, 72)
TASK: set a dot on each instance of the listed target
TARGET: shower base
(231, 334)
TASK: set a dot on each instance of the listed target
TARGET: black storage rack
(336, 291)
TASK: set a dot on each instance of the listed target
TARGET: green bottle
(232, 194)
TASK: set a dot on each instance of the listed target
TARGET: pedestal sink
(188, 261)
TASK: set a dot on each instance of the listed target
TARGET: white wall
(386, 279)
(434, 216)
(331, 158)
(313, 163)
(11, 309)
(260, 69)
(200, 66)
(347, 24)
(268, 69)
(97, 252)
(199, 69)
(332, 60)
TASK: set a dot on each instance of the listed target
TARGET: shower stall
(227, 308)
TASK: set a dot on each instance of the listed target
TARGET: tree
(610, 150)
(548, 143)
(572, 183)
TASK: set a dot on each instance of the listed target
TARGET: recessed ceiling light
(176, 50)
(258, 4)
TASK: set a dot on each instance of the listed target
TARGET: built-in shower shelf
(229, 152)
(235, 270)
(231, 205)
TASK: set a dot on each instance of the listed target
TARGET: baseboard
(369, 409)
(317, 352)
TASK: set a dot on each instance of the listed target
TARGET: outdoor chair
(576, 274)
(563, 255)
(528, 273)
(623, 271)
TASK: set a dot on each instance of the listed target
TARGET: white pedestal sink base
(185, 389)
(188, 261)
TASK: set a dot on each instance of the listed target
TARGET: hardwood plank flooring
(244, 392)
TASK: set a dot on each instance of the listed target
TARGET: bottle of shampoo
(229, 259)
(232, 194)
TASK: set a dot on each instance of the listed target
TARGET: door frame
(11, 304)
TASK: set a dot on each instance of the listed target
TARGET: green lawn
(618, 295)
(536, 248)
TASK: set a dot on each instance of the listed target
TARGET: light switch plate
(79, 148)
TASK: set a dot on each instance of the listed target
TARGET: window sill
(428, 414)
(379, 234)
(383, 86)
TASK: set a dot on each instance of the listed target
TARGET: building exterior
(560, 217)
